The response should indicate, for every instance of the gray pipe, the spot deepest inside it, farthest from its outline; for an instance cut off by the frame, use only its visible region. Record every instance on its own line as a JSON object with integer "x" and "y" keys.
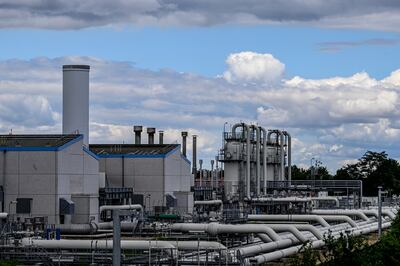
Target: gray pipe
{"x": 248, "y": 169}
{"x": 280, "y": 136}
{"x": 337, "y": 218}
{"x": 265, "y": 150}
{"x": 210, "y": 202}
{"x": 289, "y": 217}
{"x": 138, "y": 133}
{"x": 89, "y": 228}
{"x": 357, "y": 213}
{"x": 289, "y": 154}
{"x": 282, "y": 158}
{"x": 376, "y": 214}
{"x": 150, "y": 133}
{"x": 194, "y": 155}
{"x": 258, "y": 164}
{"x": 161, "y": 137}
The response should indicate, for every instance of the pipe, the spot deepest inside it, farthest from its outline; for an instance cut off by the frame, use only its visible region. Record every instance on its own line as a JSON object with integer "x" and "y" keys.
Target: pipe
{"x": 3, "y": 215}
{"x": 215, "y": 229}
{"x": 357, "y": 213}
{"x": 138, "y": 133}
{"x": 265, "y": 150}
{"x": 150, "y": 133}
{"x": 283, "y": 199}
{"x": 336, "y": 218}
{"x": 258, "y": 165}
{"x": 184, "y": 135}
{"x": 278, "y": 134}
{"x": 210, "y": 202}
{"x": 160, "y": 137}
{"x": 125, "y": 226}
{"x": 289, "y": 217}
{"x": 248, "y": 169}
{"x": 375, "y": 213}
{"x": 116, "y": 238}
{"x": 282, "y": 158}
{"x": 194, "y": 160}
{"x": 289, "y": 154}
{"x": 89, "y": 228}
{"x": 267, "y": 257}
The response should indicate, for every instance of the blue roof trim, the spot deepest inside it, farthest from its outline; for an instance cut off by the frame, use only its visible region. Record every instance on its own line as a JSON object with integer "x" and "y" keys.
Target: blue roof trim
{"x": 90, "y": 153}
{"x": 40, "y": 148}
{"x": 186, "y": 159}
{"x": 131, "y": 155}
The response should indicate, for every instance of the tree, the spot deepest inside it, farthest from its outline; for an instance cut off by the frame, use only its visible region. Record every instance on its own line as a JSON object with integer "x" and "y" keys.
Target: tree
{"x": 374, "y": 169}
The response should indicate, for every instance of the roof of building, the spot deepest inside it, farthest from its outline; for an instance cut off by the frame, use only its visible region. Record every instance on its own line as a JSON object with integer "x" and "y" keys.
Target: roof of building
{"x": 139, "y": 150}
{"x": 36, "y": 141}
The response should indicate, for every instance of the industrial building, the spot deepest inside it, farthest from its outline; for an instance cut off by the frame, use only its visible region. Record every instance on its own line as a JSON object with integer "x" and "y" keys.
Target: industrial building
{"x": 64, "y": 198}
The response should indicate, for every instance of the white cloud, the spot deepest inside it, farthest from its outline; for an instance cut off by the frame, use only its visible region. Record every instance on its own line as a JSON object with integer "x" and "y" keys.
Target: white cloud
{"x": 332, "y": 119}
{"x": 253, "y": 67}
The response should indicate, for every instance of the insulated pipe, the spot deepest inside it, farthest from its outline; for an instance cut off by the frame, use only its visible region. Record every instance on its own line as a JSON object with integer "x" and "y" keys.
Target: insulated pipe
{"x": 138, "y": 134}
{"x": 125, "y": 226}
{"x": 265, "y": 150}
{"x": 282, "y": 158}
{"x": 283, "y": 199}
{"x": 388, "y": 213}
{"x": 263, "y": 258}
{"x": 357, "y": 213}
{"x": 215, "y": 229}
{"x": 194, "y": 160}
{"x": 337, "y": 218}
{"x": 248, "y": 169}
{"x": 210, "y": 202}
{"x": 286, "y": 242}
{"x": 3, "y": 215}
{"x": 289, "y": 154}
{"x": 258, "y": 164}
{"x": 90, "y": 228}
{"x": 290, "y": 217}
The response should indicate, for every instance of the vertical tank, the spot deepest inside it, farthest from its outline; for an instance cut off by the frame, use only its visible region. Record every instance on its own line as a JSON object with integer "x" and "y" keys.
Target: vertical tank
{"x": 76, "y": 100}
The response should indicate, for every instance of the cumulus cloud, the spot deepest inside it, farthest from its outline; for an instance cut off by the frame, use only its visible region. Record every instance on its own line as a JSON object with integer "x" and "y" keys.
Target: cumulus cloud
{"x": 75, "y": 14}
{"x": 253, "y": 67}
{"x": 334, "y": 119}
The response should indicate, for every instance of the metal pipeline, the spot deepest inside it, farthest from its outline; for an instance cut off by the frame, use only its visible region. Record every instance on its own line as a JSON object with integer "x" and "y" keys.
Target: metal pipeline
{"x": 279, "y": 136}
{"x": 3, "y": 215}
{"x": 125, "y": 226}
{"x": 357, "y": 213}
{"x": 289, "y": 217}
{"x": 89, "y": 228}
{"x": 215, "y": 229}
{"x": 388, "y": 213}
{"x": 248, "y": 169}
{"x": 258, "y": 163}
{"x": 289, "y": 154}
{"x": 327, "y": 198}
{"x": 121, "y": 207}
{"x": 283, "y": 199}
{"x": 265, "y": 151}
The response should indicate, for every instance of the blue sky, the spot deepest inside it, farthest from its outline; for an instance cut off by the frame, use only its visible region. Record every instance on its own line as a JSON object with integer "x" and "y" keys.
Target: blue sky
{"x": 328, "y": 72}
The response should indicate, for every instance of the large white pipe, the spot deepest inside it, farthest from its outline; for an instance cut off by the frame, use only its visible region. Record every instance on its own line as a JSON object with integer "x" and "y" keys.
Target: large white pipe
{"x": 388, "y": 213}
{"x": 288, "y": 217}
{"x": 215, "y": 229}
{"x": 265, "y": 169}
{"x": 289, "y": 154}
{"x": 260, "y": 259}
{"x": 357, "y": 213}
{"x": 125, "y": 226}
{"x": 89, "y": 228}
{"x": 210, "y": 202}
{"x": 248, "y": 169}
{"x": 76, "y": 100}
{"x": 338, "y": 218}
{"x": 283, "y": 199}
{"x": 3, "y": 215}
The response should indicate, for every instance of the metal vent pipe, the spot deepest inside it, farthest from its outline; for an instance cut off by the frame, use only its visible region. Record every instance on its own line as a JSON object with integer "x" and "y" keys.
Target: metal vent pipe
{"x": 138, "y": 134}
{"x": 184, "y": 136}
{"x": 76, "y": 100}
{"x": 194, "y": 162}
{"x": 150, "y": 132}
{"x": 161, "y": 137}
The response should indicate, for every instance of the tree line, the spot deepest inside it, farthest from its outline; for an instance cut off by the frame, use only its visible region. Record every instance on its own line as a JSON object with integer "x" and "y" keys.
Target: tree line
{"x": 373, "y": 168}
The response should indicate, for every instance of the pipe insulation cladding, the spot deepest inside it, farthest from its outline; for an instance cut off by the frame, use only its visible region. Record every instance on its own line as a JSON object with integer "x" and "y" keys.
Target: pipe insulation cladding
{"x": 76, "y": 100}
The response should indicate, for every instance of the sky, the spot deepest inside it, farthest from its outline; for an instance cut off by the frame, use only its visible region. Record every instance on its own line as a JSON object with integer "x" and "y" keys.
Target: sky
{"x": 326, "y": 71}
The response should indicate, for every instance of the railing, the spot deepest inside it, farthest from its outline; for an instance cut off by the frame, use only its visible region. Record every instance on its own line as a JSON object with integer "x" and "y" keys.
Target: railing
{"x": 300, "y": 184}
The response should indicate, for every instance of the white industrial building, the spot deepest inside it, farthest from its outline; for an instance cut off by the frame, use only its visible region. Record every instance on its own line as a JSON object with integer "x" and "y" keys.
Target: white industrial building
{"x": 40, "y": 173}
{"x": 154, "y": 171}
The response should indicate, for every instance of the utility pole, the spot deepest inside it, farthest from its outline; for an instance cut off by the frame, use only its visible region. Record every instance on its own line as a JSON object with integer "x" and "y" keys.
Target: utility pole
{"x": 379, "y": 211}
{"x": 116, "y": 238}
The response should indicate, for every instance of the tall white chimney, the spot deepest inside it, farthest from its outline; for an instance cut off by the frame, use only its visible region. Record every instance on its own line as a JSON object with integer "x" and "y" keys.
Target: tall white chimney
{"x": 76, "y": 100}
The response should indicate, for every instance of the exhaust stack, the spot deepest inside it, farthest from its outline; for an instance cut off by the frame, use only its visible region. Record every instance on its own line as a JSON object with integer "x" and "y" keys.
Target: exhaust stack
{"x": 138, "y": 134}
{"x": 76, "y": 100}
{"x": 161, "y": 137}
{"x": 150, "y": 132}
{"x": 184, "y": 135}
{"x": 194, "y": 162}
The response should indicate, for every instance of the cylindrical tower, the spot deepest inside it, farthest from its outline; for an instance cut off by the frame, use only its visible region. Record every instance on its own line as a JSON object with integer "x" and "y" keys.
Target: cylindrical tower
{"x": 161, "y": 137}
{"x": 184, "y": 136}
{"x": 138, "y": 134}
{"x": 76, "y": 100}
{"x": 150, "y": 133}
